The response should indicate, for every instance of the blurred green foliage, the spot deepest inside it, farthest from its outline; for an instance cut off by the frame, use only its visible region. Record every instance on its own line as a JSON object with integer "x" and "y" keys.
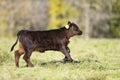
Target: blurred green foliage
{"x": 60, "y": 12}
{"x": 115, "y": 22}
{"x": 96, "y": 18}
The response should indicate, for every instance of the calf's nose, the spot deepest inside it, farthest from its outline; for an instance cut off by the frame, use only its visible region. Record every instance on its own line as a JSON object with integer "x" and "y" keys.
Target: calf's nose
{"x": 80, "y": 33}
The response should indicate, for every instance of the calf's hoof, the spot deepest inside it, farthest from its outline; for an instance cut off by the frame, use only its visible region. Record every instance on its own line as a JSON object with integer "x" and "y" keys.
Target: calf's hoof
{"x": 73, "y": 62}
{"x": 30, "y": 65}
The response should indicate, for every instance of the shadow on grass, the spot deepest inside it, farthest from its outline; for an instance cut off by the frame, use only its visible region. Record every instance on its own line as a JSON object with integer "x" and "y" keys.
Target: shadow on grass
{"x": 57, "y": 63}
{"x": 52, "y": 63}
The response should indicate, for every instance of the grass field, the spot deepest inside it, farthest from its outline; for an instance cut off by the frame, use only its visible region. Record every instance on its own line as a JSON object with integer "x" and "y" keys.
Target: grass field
{"x": 98, "y": 59}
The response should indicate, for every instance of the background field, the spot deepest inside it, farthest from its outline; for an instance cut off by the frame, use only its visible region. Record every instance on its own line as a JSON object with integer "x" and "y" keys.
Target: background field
{"x": 98, "y": 59}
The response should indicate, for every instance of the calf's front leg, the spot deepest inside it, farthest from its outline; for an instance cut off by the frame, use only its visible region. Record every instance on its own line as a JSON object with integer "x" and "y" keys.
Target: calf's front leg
{"x": 66, "y": 51}
{"x": 65, "y": 59}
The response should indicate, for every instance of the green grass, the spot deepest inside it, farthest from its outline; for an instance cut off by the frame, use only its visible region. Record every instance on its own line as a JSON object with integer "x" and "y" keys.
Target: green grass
{"x": 99, "y": 59}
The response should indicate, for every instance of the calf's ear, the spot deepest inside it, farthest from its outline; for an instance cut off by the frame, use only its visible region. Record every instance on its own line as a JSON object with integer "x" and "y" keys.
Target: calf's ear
{"x": 69, "y": 22}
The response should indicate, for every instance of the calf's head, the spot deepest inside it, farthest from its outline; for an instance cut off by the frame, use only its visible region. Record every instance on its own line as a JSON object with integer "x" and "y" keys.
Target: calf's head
{"x": 73, "y": 29}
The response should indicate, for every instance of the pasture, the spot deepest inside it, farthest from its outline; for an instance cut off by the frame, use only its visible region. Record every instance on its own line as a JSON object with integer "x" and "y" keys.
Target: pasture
{"x": 98, "y": 59}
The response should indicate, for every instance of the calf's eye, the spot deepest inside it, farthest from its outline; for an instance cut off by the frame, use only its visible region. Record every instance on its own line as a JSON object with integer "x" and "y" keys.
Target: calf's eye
{"x": 76, "y": 28}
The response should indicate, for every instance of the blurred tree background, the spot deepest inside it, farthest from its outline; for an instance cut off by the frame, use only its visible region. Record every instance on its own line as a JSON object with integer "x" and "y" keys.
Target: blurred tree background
{"x": 96, "y": 18}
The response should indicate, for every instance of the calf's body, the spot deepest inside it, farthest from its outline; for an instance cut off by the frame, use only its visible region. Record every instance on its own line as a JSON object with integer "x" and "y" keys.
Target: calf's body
{"x": 41, "y": 41}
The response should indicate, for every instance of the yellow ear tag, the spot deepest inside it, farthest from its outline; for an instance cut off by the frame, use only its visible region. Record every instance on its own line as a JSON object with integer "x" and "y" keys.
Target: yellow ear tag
{"x": 67, "y": 26}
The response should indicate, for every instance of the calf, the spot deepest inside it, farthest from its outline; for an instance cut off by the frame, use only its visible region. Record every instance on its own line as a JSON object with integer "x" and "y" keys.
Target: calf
{"x": 42, "y": 41}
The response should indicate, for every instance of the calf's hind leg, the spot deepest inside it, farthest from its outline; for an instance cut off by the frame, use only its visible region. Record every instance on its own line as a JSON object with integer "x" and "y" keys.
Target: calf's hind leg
{"x": 26, "y": 57}
{"x": 18, "y": 53}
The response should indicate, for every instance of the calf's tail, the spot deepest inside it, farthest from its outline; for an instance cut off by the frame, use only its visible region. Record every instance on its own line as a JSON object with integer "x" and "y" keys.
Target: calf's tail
{"x": 18, "y": 34}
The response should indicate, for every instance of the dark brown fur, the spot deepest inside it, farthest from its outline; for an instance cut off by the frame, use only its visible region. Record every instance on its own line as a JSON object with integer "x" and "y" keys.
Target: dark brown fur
{"x": 41, "y": 41}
